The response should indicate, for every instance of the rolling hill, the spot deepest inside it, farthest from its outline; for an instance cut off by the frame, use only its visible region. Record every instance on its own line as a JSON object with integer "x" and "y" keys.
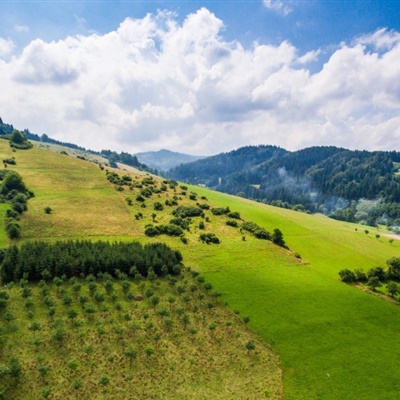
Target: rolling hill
{"x": 334, "y": 341}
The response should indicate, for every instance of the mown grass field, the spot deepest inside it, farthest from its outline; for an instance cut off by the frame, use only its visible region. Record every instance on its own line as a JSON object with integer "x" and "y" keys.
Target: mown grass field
{"x": 335, "y": 341}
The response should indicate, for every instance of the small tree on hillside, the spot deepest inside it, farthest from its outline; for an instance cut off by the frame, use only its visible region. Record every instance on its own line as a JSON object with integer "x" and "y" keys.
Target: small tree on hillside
{"x": 277, "y": 238}
{"x": 392, "y": 288}
{"x": 373, "y": 283}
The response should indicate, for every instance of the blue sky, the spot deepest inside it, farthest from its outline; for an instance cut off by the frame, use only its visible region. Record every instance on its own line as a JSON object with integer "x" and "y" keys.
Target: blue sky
{"x": 203, "y": 76}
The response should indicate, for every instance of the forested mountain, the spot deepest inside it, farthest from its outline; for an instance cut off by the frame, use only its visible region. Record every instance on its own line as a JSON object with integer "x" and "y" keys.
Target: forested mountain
{"x": 332, "y": 180}
{"x": 209, "y": 171}
{"x": 163, "y": 160}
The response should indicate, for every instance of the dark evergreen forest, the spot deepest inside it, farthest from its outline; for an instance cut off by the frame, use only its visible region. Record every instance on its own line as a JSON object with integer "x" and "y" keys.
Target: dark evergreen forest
{"x": 38, "y": 260}
{"x": 331, "y": 180}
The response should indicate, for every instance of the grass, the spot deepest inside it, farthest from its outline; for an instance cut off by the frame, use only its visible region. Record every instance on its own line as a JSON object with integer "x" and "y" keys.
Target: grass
{"x": 83, "y": 202}
{"x": 127, "y": 349}
{"x": 334, "y": 341}
{"x": 330, "y": 335}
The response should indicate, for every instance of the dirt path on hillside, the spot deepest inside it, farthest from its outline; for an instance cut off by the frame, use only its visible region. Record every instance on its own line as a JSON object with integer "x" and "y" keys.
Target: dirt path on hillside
{"x": 392, "y": 236}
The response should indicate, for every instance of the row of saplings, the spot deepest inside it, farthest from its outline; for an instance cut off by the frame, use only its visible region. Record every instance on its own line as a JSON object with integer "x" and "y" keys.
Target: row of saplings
{"x": 376, "y": 277}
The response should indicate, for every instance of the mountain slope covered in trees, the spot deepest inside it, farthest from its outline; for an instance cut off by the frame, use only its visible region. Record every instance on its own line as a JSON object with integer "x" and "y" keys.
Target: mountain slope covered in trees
{"x": 346, "y": 184}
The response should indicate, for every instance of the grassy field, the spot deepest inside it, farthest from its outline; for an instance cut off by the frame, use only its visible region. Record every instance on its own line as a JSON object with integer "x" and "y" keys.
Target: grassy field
{"x": 176, "y": 348}
{"x": 83, "y": 202}
{"x": 335, "y": 341}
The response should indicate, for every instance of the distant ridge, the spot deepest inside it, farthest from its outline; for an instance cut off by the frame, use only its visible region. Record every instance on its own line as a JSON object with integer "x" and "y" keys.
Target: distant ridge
{"x": 163, "y": 160}
{"x": 350, "y": 185}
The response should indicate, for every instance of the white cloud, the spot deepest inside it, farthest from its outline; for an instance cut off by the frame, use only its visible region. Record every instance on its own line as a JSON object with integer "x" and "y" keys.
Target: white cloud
{"x": 21, "y": 28}
{"x": 153, "y": 83}
{"x": 6, "y": 47}
{"x": 279, "y": 6}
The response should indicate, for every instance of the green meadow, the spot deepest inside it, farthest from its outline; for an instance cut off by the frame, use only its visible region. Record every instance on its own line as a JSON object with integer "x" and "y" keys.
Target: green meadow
{"x": 334, "y": 341}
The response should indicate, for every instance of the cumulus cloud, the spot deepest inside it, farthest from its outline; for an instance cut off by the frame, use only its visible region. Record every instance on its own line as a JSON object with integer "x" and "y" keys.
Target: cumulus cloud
{"x": 6, "y": 47}
{"x": 278, "y": 6}
{"x": 154, "y": 83}
{"x": 42, "y": 62}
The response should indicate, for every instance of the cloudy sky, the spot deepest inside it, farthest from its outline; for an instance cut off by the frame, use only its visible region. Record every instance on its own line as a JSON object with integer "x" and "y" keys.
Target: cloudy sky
{"x": 202, "y": 77}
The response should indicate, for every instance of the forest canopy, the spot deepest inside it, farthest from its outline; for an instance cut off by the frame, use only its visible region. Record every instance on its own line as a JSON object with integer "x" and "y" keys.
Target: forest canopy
{"x": 38, "y": 260}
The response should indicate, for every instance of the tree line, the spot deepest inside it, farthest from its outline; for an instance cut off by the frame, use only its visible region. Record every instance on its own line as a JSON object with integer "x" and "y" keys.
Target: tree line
{"x": 39, "y": 260}
{"x": 376, "y": 276}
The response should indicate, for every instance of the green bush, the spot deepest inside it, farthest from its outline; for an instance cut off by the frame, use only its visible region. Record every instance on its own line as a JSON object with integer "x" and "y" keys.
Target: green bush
{"x": 232, "y": 223}
{"x": 13, "y": 230}
{"x": 209, "y": 238}
{"x": 220, "y": 211}
{"x": 187, "y": 211}
{"x": 234, "y": 215}
{"x": 158, "y": 206}
{"x": 262, "y": 234}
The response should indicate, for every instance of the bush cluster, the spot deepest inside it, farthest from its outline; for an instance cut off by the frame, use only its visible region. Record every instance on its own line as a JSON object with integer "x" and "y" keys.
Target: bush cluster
{"x": 188, "y": 211}
{"x": 376, "y": 276}
{"x": 209, "y": 238}
{"x": 220, "y": 211}
{"x": 168, "y": 229}
{"x": 13, "y": 191}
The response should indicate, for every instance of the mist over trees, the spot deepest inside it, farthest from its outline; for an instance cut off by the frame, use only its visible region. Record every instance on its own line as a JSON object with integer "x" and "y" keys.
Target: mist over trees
{"x": 332, "y": 180}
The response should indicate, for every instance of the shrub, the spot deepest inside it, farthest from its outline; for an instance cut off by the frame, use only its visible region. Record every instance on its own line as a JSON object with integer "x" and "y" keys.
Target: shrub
{"x": 187, "y": 211}
{"x": 13, "y": 230}
{"x": 151, "y": 231}
{"x": 10, "y": 161}
{"x": 232, "y": 223}
{"x": 262, "y": 234}
{"x": 220, "y": 211}
{"x": 277, "y": 238}
{"x": 360, "y": 275}
{"x": 169, "y": 229}
{"x": 158, "y": 206}
{"x": 346, "y": 275}
{"x": 209, "y": 238}
{"x": 377, "y": 272}
{"x": 183, "y": 223}
{"x": 234, "y": 215}
{"x": 250, "y": 226}
{"x": 18, "y": 207}
{"x": 146, "y": 192}
{"x": 48, "y": 210}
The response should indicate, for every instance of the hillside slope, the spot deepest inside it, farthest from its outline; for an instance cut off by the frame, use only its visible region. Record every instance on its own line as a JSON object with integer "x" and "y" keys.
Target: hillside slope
{"x": 85, "y": 350}
{"x": 329, "y": 335}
